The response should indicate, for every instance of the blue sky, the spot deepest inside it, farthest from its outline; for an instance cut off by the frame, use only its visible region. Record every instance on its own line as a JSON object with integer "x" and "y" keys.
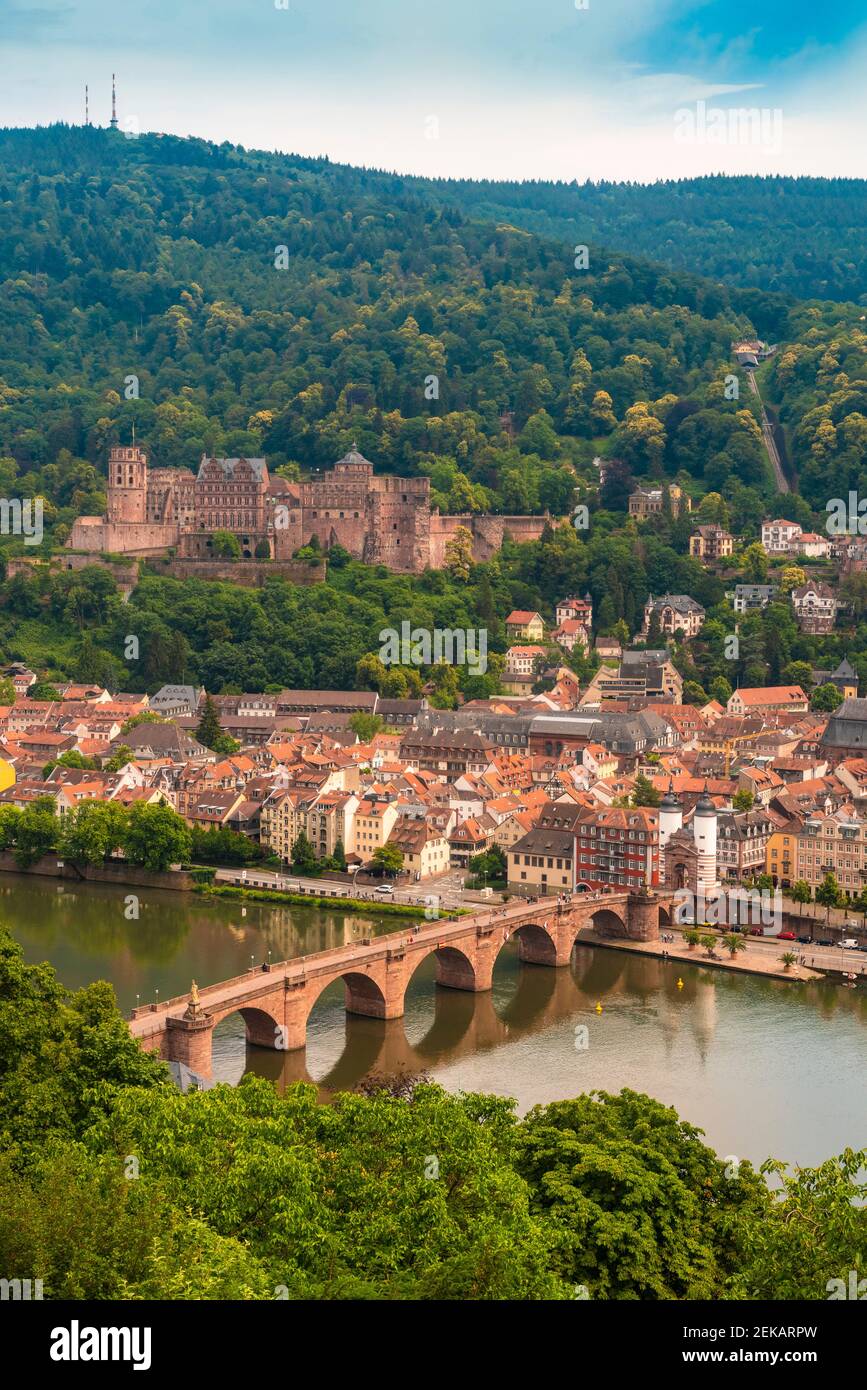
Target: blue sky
{"x": 487, "y": 88}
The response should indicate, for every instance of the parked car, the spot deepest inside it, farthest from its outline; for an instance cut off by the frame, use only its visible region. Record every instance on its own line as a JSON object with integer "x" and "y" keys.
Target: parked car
{"x": 805, "y": 940}
{"x": 756, "y": 931}
{"x": 384, "y": 888}
{"x": 824, "y": 942}
{"x": 849, "y": 943}
{"x": 786, "y": 936}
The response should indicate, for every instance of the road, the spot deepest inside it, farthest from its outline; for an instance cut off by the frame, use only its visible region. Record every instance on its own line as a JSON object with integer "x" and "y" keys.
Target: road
{"x": 448, "y": 888}
{"x": 770, "y": 443}
{"x": 823, "y": 957}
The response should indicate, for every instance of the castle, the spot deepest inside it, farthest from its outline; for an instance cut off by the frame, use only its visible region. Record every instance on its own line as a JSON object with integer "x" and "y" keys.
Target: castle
{"x": 379, "y": 519}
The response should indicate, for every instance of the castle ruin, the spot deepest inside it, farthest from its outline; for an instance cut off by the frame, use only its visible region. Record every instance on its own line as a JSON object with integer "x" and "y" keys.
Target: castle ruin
{"x": 377, "y": 518}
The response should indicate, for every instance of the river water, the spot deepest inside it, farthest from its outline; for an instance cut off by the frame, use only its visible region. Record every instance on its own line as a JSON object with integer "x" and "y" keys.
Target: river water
{"x": 765, "y": 1068}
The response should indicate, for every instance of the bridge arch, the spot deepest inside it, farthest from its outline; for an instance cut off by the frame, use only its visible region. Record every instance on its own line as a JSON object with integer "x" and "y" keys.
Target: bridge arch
{"x": 455, "y": 970}
{"x": 439, "y": 1001}
{"x": 361, "y": 994}
{"x": 607, "y": 921}
{"x": 536, "y": 945}
{"x": 261, "y": 1027}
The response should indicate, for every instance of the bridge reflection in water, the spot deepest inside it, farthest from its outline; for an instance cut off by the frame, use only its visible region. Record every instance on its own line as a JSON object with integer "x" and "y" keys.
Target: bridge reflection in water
{"x": 442, "y": 1026}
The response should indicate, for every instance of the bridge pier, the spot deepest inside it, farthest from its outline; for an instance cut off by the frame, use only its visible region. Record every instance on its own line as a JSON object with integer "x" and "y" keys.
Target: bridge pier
{"x": 188, "y": 1040}
{"x": 642, "y": 917}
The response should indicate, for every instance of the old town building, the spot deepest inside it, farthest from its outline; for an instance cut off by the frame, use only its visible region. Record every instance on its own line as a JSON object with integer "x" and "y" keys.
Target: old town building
{"x": 645, "y": 502}
{"x": 815, "y": 607}
{"x": 711, "y": 543}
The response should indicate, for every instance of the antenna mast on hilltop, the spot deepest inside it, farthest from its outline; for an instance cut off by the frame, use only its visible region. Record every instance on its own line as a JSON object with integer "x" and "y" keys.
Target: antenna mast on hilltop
{"x": 86, "y": 105}
{"x": 113, "y": 122}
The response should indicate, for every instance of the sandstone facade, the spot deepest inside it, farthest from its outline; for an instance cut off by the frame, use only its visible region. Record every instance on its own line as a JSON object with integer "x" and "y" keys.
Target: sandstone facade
{"x": 379, "y": 519}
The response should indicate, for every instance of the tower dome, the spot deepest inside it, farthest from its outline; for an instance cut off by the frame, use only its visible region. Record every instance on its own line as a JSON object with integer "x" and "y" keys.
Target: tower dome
{"x": 705, "y": 806}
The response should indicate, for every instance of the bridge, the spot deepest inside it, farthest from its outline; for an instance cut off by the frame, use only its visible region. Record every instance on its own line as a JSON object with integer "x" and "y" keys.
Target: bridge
{"x": 275, "y": 1001}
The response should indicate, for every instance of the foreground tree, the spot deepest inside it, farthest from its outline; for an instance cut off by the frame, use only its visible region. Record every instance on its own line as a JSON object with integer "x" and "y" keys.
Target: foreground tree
{"x": 733, "y": 942}
{"x": 93, "y": 830}
{"x": 640, "y": 1207}
{"x": 388, "y": 859}
{"x": 156, "y": 837}
{"x": 37, "y": 831}
{"x": 812, "y": 1237}
{"x": 801, "y": 893}
{"x": 303, "y": 857}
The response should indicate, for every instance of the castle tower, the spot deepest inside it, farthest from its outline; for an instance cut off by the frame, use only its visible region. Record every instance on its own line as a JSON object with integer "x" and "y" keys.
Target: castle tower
{"x": 670, "y": 819}
{"x": 704, "y": 829}
{"x": 113, "y": 121}
{"x": 127, "y": 484}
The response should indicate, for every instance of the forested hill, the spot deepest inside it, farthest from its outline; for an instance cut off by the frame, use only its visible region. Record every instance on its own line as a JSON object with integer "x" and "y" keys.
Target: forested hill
{"x": 474, "y": 351}
{"x": 801, "y": 236}
{"x": 805, "y": 237}
{"x": 477, "y": 353}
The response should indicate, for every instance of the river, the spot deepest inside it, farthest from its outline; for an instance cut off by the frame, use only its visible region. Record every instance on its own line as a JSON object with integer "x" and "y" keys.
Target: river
{"x": 765, "y": 1068}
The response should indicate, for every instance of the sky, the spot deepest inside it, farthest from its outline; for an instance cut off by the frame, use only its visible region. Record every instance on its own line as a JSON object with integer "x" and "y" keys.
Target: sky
{"x": 568, "y": 89}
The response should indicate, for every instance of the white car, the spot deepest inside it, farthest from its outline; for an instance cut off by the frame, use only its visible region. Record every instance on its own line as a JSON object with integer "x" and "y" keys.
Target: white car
{"x": 384, "y": 888}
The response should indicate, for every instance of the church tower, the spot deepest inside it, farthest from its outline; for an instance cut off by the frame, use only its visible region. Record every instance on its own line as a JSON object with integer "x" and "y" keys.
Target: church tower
{"x": 127, "y": 484}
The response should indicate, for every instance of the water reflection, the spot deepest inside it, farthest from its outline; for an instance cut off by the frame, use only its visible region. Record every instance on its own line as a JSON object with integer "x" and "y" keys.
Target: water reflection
{"x": 763, "y": 1067}
{"x": 751, "y": 1061}
{"x": 148, "y": 941}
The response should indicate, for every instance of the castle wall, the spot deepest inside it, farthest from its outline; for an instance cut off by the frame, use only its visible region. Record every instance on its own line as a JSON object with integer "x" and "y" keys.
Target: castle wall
{"x": 487, "y": 533}
{"x": 248, "y": 573}
{"x": 123, "y": 572}
{"x": 399, "y": 524}
{"x": 93, "y": 533}
{"x": 522, "y": 529}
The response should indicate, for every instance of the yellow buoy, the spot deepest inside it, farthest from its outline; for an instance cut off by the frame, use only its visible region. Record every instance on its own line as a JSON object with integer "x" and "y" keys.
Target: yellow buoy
{"x": 679, "y": 982}
{"x": 599, "y": 1008}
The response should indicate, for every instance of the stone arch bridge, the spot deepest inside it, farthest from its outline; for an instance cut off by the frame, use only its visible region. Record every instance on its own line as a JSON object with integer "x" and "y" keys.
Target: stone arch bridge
{"x": 275, "y": 1001}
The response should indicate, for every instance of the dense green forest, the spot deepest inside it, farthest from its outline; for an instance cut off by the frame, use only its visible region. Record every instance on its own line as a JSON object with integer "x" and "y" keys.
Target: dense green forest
{"x": 115, "y": 1185}
{"x": 154, "y": 259}
{"x": 804, "y": 237}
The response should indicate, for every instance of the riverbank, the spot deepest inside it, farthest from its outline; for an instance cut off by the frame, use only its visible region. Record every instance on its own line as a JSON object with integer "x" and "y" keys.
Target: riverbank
{"x": 115, "y": 871}
{"x": 678, "y": 951}
{"x": 270, "y": 895}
